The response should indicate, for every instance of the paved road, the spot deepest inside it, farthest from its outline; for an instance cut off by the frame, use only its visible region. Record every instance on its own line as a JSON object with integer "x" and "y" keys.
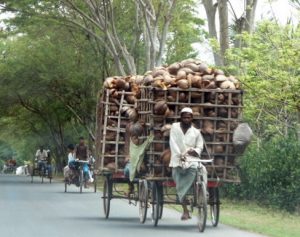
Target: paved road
{"x": 44, "y": 210}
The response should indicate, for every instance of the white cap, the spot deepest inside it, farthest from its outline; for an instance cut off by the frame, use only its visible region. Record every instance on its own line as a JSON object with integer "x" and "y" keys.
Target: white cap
{"x": 186, "y": 110}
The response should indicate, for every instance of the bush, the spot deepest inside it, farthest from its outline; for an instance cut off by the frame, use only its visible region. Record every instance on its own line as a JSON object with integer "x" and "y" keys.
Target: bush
{"x": 270, "y": 175}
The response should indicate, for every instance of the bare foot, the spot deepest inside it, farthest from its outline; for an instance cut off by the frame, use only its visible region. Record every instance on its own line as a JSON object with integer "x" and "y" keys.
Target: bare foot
{"x": 185, "y": 216}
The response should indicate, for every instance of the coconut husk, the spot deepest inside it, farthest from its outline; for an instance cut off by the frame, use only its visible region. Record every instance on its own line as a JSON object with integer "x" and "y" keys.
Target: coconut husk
{"x": 227, "y": 85}
{"x": 182, "y": 97}
{"x": 173, "y": 68}
{"x": 183, "y": 84}
{"x": 181, "y": 74}
{"x": 109, "y": 83}
{"x": 160, "y": 107}
{"x": 208, "y": 127}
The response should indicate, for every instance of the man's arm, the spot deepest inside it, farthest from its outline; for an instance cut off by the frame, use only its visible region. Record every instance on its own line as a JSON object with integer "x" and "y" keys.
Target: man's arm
{"x": 199, "y": 144}
{"x": 174, "y": 143}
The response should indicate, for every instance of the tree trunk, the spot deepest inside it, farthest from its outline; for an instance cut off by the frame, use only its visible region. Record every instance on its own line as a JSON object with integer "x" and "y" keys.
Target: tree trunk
{"x": 211, "y": 9}
{"x": 224, "y": 35}
{"x": 250, "y": 15}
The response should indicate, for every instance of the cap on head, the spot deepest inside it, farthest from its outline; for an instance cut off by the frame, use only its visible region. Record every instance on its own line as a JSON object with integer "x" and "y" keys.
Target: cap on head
{"x": 186, "y": 110}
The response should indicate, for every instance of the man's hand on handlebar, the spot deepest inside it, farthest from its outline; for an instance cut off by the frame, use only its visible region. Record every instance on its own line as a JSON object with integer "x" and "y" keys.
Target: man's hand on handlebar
{"x": 192, "y": 152}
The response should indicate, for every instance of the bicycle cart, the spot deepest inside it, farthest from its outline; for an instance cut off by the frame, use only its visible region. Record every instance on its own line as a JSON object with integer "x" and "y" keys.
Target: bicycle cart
{"x": 41, "y": 169}
{"x": 217, "y": 111}
{"x": 78, "y": 178}
{"x": 160, "y": 191}
{"x": 218, "y": 155}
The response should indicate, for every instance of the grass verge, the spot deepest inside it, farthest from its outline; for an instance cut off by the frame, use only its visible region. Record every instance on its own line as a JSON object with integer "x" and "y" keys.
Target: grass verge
{"x": 266, "y": 221}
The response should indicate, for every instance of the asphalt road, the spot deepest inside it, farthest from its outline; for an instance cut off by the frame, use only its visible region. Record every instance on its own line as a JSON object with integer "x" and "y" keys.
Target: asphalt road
{"x": 44, "y": 210}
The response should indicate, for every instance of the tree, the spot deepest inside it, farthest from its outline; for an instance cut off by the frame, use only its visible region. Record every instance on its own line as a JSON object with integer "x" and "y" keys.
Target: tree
{"x": 268, "y": 66}
{"x": 243, "y": 23}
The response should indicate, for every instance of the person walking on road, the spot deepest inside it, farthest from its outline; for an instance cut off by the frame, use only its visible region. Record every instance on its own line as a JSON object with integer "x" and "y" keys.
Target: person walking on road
{"x": 185, "y": 142}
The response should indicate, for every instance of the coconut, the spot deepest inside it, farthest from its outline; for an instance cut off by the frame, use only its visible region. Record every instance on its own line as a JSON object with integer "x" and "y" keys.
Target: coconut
{"x": 221, "y": 78}
{"x": 227, "y": 85}
{"x": 173, "y": 68}
{"x": 183, "y": 84}
{"x": 148, "y": 79}
{"x": 111, "y": 166}
{"x": 132, "y": 114}
{"x": 181, "y": 75}
{"x": 208, "y": 127}
{"x": 160, "y": 107}
{"x": 203, "y": 68}
{"x": 182, "y": 97}
{"x": 120, "y": 84}
{"x": 109, "y": 83}
{"x": 131, "y": 99}
{"x": 192, "y": 66}
{"x": 218, "y": 149}
{"x": 222, "y": 112}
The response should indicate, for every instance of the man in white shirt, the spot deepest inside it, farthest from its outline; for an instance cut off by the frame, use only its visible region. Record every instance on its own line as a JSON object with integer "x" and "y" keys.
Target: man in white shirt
{"x": 41, "y": 157}
{"x": 185, "y": 142}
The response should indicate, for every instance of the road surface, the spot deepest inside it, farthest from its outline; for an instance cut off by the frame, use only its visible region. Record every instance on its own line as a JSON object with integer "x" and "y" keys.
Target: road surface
{"x": 44, "y": 210}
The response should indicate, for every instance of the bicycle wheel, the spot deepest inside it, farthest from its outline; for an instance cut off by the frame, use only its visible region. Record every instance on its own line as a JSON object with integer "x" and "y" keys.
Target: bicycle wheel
{"x": 66, "y": 185}
{"x": 80, "y": 180}
{"x": 214, "y": 203}
{"x": 107, "y": 192}
{"x": 143, "y": 200}
{"x": 161, "y": 201}
{"x": 201, "y": 202}
{"x": 155, "y": 203}
{"x": 95, "y": 183}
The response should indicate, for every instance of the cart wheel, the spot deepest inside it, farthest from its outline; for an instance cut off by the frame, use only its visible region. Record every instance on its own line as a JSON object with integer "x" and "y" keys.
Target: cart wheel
{"x": 156, "y": 210}
{"x": 143, "y": 200}
{"x": 107, "y": 192}
{"x": 66, "y": 185}
{"x": 201, "y": 202}
{"x": 81, "y": 180}
{"x": 95, "y": 183}
{"x": 214, "y": 205}
{"x": 161, "y": 201}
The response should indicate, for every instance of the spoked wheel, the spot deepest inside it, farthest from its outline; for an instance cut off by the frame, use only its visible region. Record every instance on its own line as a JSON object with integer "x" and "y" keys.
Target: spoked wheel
{"x": 156, "y": 203}
{"x": 80, "y": 180}
{"x": 107, "y": 193}
{"x": 143, "y": 200}
{"x": 214, "y": 202}
{"x": 161, "y": 201}
{"x": 66, "y": 186}
{"x": 201, "y": 201}
{"x": 95, "y": 183}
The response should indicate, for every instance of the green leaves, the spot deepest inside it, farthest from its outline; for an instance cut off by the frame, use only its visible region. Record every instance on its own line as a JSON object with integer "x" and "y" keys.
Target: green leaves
{"x": 269, "y": 68}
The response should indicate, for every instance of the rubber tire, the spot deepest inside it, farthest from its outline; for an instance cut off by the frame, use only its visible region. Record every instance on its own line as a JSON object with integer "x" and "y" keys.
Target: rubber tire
{"x": 143, "y": 200}
{"x": 201, "y": 201}
{"x": 161, "y": 201}
{"x": 80, "y": 180}
{"x": 107, "y": 192}
{"x": 66, "y": 185}
{"x": 155, "y": 201}
{"x": 95, "y": 183}
{"x": 214, "y": 206}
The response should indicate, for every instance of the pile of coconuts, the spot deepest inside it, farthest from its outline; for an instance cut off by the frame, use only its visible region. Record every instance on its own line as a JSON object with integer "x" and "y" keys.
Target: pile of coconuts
{"x": 199, "y": 85}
